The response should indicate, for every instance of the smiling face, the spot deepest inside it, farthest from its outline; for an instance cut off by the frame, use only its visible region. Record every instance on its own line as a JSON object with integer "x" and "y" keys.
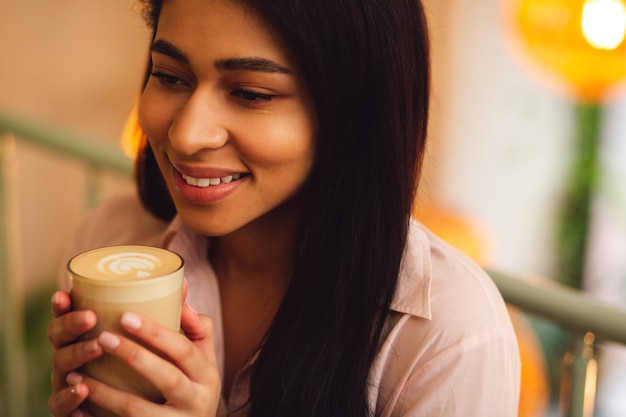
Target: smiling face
{"x": 227, "y": 115}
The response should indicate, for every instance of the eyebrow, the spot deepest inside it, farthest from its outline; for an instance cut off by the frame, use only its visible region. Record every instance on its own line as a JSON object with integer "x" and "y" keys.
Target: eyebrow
{"x": 164, "y": 47}
{"x": 231, "y": 64}
{"x": 251, "y": 64}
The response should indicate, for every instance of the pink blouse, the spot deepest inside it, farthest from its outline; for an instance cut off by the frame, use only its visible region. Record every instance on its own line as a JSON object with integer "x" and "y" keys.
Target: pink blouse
{"x": 450, "y": 350}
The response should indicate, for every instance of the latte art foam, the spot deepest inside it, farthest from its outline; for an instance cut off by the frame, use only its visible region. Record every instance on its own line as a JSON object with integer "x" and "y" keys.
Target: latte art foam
{"x": 129, "y": 264}
{"x": 124, "y": 263}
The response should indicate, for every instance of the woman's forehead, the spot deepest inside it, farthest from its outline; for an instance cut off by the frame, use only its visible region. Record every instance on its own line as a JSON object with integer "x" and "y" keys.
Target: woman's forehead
{"x": 194, "y": 26}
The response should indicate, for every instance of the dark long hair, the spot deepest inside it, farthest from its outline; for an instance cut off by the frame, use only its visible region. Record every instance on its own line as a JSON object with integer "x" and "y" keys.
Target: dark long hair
{"x": 366, "y": 66}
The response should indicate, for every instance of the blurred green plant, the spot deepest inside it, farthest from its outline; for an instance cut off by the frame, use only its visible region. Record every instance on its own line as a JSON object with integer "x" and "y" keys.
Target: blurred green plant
{"x": 38, "y": 351}
{"x": 576, "y": 211}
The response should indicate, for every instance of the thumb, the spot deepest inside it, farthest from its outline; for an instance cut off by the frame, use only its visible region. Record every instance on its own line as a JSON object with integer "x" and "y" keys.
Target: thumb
{"x": 199, "y": 329}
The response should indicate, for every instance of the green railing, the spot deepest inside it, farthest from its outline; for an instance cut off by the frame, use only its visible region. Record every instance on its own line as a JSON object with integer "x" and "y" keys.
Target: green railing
{"x": 587, "y": 319}
{"x": 97, "y": 157}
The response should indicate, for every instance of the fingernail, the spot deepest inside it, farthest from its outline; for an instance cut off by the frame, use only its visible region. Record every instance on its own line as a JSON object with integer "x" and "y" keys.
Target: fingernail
{"x": 131, "y": 321}
{"x": 73, "y": 378}
{"x": 91, "y": 346}
{"x": 83, "y": 318}
{"x": 55, "y": 298}
{"x": 193, "y": 310}
{"x": 108, "y": 340}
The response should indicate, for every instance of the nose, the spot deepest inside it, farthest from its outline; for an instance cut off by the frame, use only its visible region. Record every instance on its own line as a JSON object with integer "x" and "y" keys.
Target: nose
{"x": 198, "y": 125}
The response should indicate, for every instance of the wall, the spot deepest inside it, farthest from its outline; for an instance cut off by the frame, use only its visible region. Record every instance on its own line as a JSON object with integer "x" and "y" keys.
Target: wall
{"x": 75, "y": 64}
{"x": 500, "y": 143}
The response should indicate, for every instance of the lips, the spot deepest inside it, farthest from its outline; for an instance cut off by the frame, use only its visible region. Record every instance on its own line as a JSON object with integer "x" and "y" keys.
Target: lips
{"x": 208, "y": 187}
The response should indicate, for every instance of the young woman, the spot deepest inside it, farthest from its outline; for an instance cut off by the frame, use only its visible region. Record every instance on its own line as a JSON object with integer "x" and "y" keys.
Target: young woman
{"x": 284, "y": 140}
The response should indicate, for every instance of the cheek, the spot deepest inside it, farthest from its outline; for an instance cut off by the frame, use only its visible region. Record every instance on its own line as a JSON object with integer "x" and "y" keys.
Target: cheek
{"x": 281, "y": 142}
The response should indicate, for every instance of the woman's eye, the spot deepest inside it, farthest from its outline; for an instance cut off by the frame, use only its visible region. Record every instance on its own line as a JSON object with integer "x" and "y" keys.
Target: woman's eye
{"x": 252, "y": 96}
{"x": 167, "y": 79}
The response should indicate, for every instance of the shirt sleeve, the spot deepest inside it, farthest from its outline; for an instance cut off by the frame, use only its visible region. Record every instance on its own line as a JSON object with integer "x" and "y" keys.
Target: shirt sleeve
{"x": 478, "y": 376}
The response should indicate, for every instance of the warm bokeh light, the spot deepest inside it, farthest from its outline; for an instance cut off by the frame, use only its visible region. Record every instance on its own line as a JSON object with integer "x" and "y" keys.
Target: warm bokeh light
{"x": 604, "y": 23}
{"x": 132, "y": 135}
{"x": 466, "y": 235}
{"x": 546, "y": 38}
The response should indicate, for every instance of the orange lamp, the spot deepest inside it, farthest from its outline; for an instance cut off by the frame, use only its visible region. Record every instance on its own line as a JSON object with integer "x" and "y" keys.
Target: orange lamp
{"x": 575, "y": 46}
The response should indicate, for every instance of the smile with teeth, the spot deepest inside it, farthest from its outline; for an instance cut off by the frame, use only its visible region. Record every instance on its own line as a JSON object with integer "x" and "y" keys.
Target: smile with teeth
{"x": 206, "y": 182}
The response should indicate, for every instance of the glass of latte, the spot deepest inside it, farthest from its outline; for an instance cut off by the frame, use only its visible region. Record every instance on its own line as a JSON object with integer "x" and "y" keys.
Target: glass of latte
{"x": 113, "y": 280}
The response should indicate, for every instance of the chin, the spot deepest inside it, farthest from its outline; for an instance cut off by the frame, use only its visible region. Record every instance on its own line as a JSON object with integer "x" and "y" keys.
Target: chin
{"x": 208, "y": 225}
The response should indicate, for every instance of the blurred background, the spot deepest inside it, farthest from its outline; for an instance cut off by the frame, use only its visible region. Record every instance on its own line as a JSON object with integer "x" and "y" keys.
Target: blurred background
{"x": 508, "y": 135}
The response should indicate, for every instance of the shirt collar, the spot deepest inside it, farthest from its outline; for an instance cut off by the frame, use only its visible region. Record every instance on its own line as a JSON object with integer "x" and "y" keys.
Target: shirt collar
{"x": 413, "y": 288}
{"x": 414, "y": 281}
{"x": 179, "y": 238}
